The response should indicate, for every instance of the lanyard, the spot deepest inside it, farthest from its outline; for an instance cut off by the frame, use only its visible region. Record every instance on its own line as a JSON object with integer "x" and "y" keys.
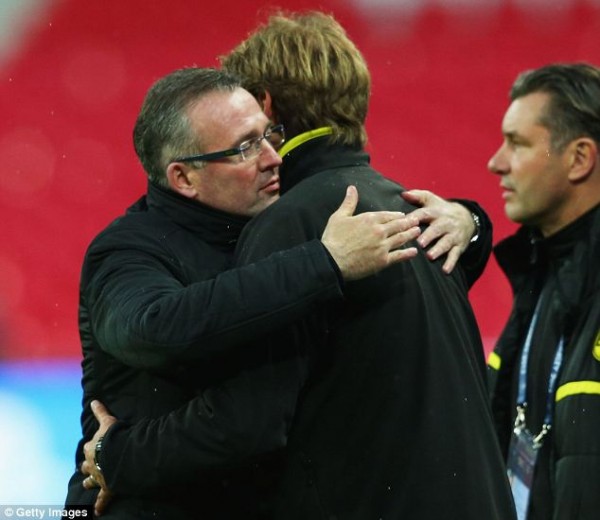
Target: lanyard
{"x": 522, "y": 391}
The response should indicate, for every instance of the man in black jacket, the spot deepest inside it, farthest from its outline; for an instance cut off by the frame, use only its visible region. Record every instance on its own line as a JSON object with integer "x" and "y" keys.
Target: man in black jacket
{"x": 163, "y": 316}
{"x": 545, "y": 369}
{"x": 394, "y": 421}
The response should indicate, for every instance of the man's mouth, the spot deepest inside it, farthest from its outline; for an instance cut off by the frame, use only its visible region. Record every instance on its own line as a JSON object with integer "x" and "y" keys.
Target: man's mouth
{"x": 506, "y": 191}
{"x": 272, "y": 186}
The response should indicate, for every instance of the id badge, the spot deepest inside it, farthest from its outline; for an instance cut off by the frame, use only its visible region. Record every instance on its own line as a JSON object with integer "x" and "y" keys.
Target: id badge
{"x": 522, "y": 456}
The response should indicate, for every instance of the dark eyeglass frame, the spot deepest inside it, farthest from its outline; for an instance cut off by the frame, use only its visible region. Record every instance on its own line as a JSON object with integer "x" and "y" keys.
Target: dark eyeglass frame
{"x": 239, "y": 150}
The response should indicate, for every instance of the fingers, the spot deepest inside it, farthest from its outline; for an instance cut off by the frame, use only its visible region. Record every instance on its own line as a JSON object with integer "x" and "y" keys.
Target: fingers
{"x": 360, "y": 244}
{"x": 451, "y": 260}
{"x": 349, "y": 203}
{"x": 396, "y": 222}
{"x": 95, "y": 479}
{"x": 104, "y": 418}
{"x": 102, "y": 501}
{"x": 447, "y": 243}
{"x": 400, "y": 231}
{"x": 90, "y": 482}
{"x": 391, "y": 221}
{"x": 86, "y": 467}
{"x": 429, "y": 235}
{"x": 444, "y": 234}
{"x": 424, "y": 215}
{"x": 396, "y": 227}
{"x": 418, "y": 197}
{"x": 400, "y": 255}
{"x": 401, "y": 237}
{"x": 89, "y": 449}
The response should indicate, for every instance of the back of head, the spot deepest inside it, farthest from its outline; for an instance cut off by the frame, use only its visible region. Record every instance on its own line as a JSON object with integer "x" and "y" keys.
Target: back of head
{"x": 574, "y": 109}
{"x": 162, "y": 130}
{"x": 314, "y": 73}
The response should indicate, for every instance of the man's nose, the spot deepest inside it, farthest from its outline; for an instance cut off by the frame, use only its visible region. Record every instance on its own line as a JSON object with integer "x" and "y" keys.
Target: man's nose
{"x": 269, "y": 157}
{"x": 497, "y": 163}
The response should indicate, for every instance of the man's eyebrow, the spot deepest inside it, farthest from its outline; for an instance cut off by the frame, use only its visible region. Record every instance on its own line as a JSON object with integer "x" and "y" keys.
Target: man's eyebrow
{"x": 251, "y": 134}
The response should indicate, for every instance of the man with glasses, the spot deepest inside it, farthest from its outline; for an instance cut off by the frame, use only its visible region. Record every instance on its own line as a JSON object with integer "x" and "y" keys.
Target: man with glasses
{"x": 163, "y": 316}
{"x": 162, "y": 319}
{"x": 392, "y": 418}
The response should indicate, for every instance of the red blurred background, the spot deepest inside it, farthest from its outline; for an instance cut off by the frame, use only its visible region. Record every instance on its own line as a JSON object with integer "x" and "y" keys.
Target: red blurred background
{"x": 73, "y": 75}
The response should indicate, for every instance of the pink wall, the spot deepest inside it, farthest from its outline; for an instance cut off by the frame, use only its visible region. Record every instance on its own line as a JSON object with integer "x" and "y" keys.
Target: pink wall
{"x": 69, "y": 97}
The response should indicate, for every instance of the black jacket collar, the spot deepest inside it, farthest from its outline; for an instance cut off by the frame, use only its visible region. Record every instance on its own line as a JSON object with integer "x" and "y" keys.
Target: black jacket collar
{"x": 315, "y": 156}
{"x": 527, "y": 253}
{"x": 215, "y": 226}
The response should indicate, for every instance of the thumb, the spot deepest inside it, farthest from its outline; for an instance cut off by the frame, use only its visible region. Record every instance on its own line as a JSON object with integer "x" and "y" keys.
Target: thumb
{"x": 99, "y": 410}
{"x": 416, "y": 197}
{"x": 349, "y": 203}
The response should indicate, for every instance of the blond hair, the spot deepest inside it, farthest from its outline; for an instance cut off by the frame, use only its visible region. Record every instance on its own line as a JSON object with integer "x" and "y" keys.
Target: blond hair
{"x": 314, "y": 73}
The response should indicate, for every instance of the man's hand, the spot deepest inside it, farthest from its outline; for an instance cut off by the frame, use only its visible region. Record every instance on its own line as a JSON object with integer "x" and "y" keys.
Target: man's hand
{"x": 96, "y": 478}
{"x": 450, "y": 229}
{"x": 369, "y": 242}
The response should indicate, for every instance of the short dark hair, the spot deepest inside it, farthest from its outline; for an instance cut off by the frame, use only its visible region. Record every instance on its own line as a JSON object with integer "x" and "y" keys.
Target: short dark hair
{"x": 162, "y": 130}
{"x": 574, "y": 107}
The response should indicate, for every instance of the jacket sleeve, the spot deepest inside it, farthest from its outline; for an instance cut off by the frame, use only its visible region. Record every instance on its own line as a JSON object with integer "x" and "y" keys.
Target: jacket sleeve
{"x": 145, "y": 317}
{"x": 223, "y": 428}
{"x": 228, "y": 425}
{"x": 475, "y": 258}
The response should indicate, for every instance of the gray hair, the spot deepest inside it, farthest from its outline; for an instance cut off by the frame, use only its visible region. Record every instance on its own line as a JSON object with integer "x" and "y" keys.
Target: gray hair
{"x": 162, "y": 130}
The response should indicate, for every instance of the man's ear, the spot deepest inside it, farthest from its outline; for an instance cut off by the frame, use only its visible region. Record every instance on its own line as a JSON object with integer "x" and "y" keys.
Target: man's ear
{"x": 584, "y": 158}
{"x": 266, "y": 104}
{"x": 178, "y": 177}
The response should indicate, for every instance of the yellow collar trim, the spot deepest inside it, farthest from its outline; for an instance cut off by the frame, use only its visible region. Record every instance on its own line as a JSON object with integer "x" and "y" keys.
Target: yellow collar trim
{"x": 302, "y": 138}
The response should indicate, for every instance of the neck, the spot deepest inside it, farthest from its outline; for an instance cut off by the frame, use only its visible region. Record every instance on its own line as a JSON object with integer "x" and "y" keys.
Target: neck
{"x": 574, "y": 210}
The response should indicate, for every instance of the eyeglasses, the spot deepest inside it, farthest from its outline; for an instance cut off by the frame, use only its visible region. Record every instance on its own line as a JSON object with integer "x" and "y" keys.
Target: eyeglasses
{"x": 274, "y": 135}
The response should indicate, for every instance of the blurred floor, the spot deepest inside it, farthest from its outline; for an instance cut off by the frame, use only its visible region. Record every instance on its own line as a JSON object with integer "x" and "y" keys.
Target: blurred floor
{"x": 40, "y": 404}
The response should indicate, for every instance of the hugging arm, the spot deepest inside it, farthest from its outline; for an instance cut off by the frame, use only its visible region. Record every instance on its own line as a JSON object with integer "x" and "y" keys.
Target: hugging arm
{"x": 458, "y": 228}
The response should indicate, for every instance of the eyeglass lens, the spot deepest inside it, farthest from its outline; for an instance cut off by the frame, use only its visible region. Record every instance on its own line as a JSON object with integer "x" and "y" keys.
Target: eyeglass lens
{"x": 274, "y": 136}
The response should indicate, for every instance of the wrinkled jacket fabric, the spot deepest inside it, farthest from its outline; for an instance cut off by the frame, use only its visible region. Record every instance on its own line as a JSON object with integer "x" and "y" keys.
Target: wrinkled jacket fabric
{"x": 161, "y": 320}
{"x": 567, "y": 480}
{"x": 394, "y": 422}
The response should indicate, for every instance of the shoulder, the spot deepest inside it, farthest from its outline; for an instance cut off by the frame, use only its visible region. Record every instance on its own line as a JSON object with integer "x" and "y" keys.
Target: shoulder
{"x": 134, "y": 233}
{"x": 133, "y": 227}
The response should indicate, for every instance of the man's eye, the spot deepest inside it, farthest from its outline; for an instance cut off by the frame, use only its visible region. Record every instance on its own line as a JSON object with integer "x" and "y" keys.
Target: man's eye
{"x": 245, "y": 145}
